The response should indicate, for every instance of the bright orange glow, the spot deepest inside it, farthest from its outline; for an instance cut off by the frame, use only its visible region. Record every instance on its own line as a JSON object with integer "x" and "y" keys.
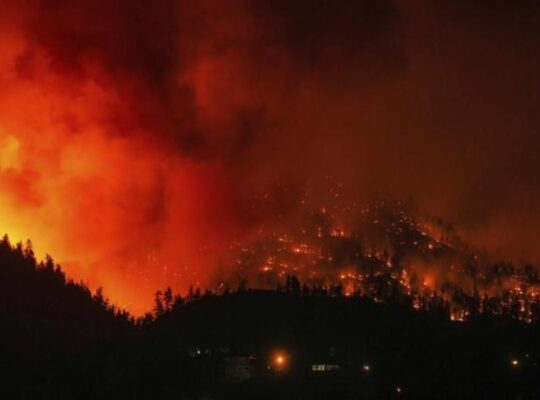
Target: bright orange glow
{"x": 134, "y": 153}
{"x": 92, "y": 167}
{"x": 112, "y": 207}
{"x": 279, "y": 361}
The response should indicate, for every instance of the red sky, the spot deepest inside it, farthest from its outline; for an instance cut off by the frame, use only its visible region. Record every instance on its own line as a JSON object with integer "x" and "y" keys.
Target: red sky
{"x": 134, "y": 137}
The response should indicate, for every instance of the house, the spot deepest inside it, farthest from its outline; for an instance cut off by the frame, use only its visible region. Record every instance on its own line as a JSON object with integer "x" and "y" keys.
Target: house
{"x": 327, "y": 360}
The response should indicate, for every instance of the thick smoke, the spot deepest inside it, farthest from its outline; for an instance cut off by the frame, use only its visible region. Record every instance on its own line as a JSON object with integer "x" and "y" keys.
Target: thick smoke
{"x": 137, "y": 138}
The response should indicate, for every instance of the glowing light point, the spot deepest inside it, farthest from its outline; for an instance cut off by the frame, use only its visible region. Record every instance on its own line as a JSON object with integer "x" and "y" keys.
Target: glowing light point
{"x": 279, "y": 361}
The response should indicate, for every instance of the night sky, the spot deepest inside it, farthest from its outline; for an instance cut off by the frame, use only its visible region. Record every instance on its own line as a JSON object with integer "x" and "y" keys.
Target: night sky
{"x": 136, "y": 136}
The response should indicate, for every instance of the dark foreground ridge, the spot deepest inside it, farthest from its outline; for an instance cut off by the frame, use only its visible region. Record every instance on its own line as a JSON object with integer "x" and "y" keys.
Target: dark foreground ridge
{"x": 60, "y": 341}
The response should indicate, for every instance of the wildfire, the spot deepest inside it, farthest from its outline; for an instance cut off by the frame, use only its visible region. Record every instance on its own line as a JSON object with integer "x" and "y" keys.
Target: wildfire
{"x": 338, "y": 263}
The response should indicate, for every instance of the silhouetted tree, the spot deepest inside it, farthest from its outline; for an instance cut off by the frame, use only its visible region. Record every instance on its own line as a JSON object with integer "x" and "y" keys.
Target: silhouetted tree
{"x": 295, "y": 285}
{"x": 100, "y": 298}
{"x": 178, "y": 302}
{"x": 159, "y": 309}
{"x": 242, "y": 287}
{"x": 145, "y": 321}
{"x": 167, "y": 299}
{"x": 288, "y": 284}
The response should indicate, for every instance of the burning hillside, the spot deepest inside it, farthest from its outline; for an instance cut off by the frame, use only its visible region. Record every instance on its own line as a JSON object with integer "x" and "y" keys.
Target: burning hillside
{"x": 386, "y": 251}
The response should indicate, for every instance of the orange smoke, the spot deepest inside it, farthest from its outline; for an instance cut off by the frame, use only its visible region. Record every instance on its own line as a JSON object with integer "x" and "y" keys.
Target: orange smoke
{"x": 126, "y": 148}
{"x": 115, "y": 210}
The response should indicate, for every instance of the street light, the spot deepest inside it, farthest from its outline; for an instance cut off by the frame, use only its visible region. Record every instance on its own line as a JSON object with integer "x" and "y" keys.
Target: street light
{"x": 279, "y": 361}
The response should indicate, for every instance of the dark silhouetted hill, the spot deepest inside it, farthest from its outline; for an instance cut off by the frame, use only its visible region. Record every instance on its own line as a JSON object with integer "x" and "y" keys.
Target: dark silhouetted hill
{"x": 52, "y": 329}
{"x": 425, "y": 355}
